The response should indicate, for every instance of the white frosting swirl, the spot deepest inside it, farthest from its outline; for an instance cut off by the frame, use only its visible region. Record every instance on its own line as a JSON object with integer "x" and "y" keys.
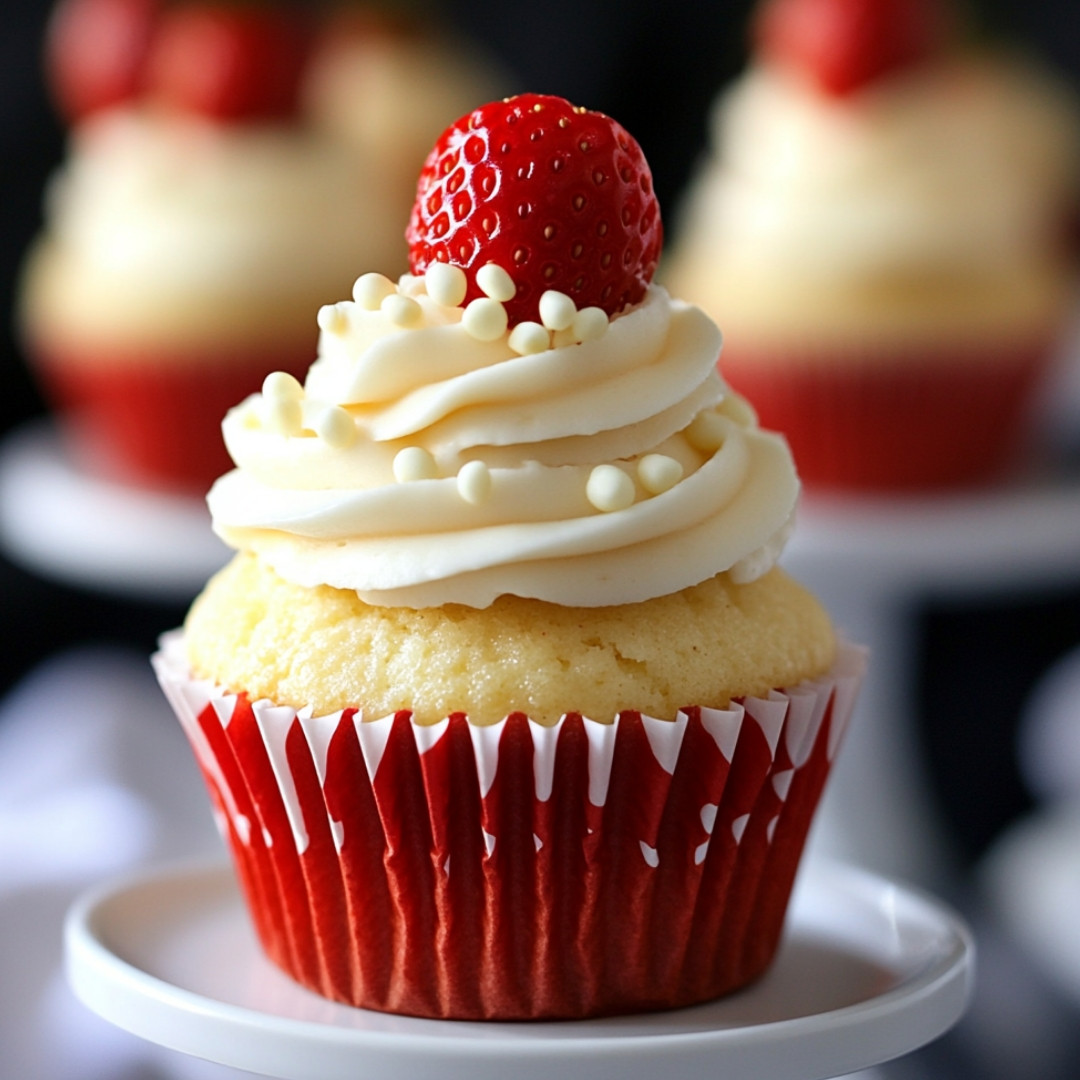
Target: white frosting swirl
{"x": 937, "y": 195}
{"x": 152, "y": 208}
{"x": 421, "y": 466}
{"x": 955, "y": 165}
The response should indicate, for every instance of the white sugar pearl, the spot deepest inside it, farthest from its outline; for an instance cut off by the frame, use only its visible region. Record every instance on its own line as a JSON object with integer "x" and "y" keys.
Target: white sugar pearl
{"x": 485, "y": 319}
{"x": 334, "y": 426}
{"x": 495, "y": 282}
{"x": 609, "y": 488}
{"x": 282, "y": 384}
{"x": 474, "y": 482}
{"x": 557, "y": 310}
{"x": 529, "y": 337}
{"x": 737, "y": 408}
{"x": 402, "y": 311}
{"x": 658, "y": 473}
{"x": 590, "y": 323}
{"x": 445, "y": 284}
{"x": 706, "y": 432}
{"x": 370, "y": 290}
{"x": 332, "y": 319}
{"x": 414, "y": 463}
{"x": 283, "y": 415}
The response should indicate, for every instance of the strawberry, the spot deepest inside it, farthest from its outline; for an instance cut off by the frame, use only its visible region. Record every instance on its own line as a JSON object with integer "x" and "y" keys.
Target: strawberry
{"x": 229, "y": 61}
{"x": 95, "y": 53}
{"x": 844, "y": 45}
{"x": 558, "y": 196}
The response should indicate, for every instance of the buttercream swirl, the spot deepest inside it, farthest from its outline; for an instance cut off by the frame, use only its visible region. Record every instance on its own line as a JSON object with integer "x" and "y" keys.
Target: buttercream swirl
{"x": 961, "y": 165}
{"x": 421, "y": 465}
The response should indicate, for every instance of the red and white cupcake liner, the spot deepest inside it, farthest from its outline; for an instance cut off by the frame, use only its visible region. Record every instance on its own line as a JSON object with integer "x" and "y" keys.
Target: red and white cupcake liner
{"x": 517, "y": 871}
{"x": 872, "y": 418}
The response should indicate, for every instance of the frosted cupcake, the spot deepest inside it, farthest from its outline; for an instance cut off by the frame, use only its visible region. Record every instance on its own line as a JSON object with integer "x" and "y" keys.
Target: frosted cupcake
{"x": 882, "y": 233}
{"x": 504, "y": 706}
{"x": 204, "y": 211}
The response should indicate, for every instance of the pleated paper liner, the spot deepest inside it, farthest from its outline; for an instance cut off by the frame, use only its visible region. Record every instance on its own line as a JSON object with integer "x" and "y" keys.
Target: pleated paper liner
{"x": 874, "y": 418}
{"x": 517, "y": 871}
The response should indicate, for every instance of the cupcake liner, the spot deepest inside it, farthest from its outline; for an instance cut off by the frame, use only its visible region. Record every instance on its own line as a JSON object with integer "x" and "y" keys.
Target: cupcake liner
{"x": 888, "y": 419}
{"x": 516, "y": 871}
{"x": 155, "y": 420}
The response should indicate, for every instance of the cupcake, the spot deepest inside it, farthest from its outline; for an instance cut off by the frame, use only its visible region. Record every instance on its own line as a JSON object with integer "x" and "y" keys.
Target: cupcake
{"x": 204, "y": 211}
{"x": 883, "y": 231}
{"x": 504, "y": 707}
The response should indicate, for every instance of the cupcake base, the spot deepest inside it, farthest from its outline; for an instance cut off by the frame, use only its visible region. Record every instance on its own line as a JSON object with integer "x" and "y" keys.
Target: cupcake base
{"x": 893, "y": 422}
{"x": 516, "y": 871}
{"x": 154, "y": 420}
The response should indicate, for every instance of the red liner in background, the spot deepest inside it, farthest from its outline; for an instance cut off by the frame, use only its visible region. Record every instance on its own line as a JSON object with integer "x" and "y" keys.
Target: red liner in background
{"x": 517, "y": 871}
{"x": 154, "y": 420}
{"x": 893, "y": 422}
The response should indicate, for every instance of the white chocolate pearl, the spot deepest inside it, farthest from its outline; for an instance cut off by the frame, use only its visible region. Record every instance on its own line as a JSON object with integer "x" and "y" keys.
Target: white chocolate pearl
{"x": 495, "y": 282}
{"x": 609, "y": 488}
{"x": 590, "y": 323}
{"x": 283, "y": 415}
{"x": 557, "y": 310}
{"x": 402, "y": 311}
{"x": 737, "y": 408}
{"x": 561, "y": 339}
{"x": 529, "y": 337}
{"x": 332, "y": 319}
{"x": 370, "y": 290}
{"x": 658, "y": 473}
{"x": 282, "y": 384}
{"x": 414, "y": 463}
{"x": 334, "y": 426}
{"x": 445, "y": 284}
{"x": 474, "y": 482}
{"x": 485, "y": 319}
{"x": 706, "y": 432}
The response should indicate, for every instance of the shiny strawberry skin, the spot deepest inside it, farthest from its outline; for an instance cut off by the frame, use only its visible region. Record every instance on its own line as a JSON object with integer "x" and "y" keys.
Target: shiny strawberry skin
{"x": 558, "y": 196}
{"x": 95, "y": 53}
{"x": 230, "y": 62}
{"x": 846, "y": 45}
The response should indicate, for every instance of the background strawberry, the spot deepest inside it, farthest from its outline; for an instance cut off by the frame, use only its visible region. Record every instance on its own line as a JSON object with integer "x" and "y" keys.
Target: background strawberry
{"x": 230, "y": 61}
{"x": 559, "y": 197}
{"x": 95, "y": 53}
{"x": 844, "y": 45}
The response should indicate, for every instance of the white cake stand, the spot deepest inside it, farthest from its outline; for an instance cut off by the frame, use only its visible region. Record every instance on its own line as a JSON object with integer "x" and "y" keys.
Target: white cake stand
{"x": 870, "y": 560}
{"x": 868, "y": 971}
{"x": 83, "y": 530}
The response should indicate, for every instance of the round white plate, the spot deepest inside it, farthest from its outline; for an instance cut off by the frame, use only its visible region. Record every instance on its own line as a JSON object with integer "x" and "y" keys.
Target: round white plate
{"x": 868, "y": 971}
{"x": 1032, "y": 875}
{"x": 87, "y": 531}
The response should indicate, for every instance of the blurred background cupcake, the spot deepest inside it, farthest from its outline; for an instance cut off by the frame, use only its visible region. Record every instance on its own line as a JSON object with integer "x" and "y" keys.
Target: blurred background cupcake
{"x": 884, "y": 232}
{"x": 204, "y": 208}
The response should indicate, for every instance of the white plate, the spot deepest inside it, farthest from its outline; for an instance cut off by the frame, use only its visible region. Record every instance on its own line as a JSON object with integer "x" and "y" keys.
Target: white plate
{"x": 1032, "y": 875}
{"x": 88, "y": 531}
{"x": 868, "y": 971}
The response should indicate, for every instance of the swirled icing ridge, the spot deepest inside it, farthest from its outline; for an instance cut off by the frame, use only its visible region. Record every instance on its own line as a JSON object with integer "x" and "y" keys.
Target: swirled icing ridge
{"x": 428, "y": 460}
